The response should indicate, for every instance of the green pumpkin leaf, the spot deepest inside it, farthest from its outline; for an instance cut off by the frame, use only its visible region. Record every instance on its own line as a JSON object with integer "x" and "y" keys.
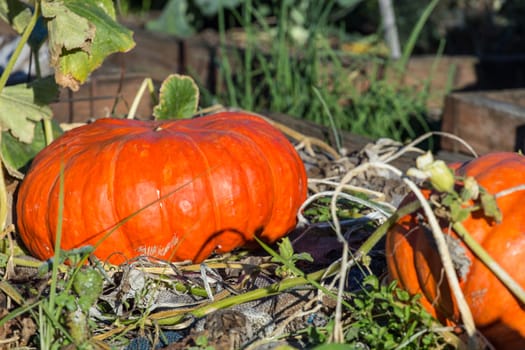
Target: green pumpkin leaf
{"x": 23, "y": 104}
{"x": 16, "y": 13}
{"x": 490, "y": 206}
{"x": 286, "y": 248}
{"x": 88, "y": 284}
{"x": 81, "y": 35}
{"x": 173, "y": 20}
{"x": 449, "y": 199}
{"x": 17, "y": 155}
{"x": 470, "y": 189}
{"x": 179, "y": 98}
{"x": 67, "y": 30}
{"x": 458, "y": 213}
{"x": 303, "y": 257}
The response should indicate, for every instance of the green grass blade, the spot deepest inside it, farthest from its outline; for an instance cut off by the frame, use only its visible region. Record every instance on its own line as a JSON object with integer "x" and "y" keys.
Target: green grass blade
{"x": 414, "y": 35}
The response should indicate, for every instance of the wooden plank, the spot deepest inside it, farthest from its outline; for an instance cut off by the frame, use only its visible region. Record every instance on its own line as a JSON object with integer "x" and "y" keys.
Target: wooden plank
{"x": 489, "y": 121}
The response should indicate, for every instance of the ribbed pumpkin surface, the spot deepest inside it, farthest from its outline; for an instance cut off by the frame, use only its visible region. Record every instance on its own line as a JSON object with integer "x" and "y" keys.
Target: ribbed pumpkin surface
{"x": 413, "y": 259}
{"x": 173, "y": 190}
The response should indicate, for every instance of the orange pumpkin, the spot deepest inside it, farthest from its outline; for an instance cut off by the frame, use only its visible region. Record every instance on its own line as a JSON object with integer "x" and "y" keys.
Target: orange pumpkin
{"x": 176, "y": 190}
{"x": 413, "y": 259}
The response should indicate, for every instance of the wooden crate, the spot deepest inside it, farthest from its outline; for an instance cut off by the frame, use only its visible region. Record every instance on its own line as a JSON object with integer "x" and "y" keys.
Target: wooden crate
{"x": 489, "y": 121}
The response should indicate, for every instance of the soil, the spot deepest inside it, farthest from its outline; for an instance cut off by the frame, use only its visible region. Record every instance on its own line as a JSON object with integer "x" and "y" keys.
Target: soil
{"x": 147, "y": 289}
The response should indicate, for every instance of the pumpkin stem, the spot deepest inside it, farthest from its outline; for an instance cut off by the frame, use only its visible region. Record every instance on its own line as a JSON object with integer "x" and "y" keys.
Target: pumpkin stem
{"x": 491, "y": 264}
{"x": 18, "y": 50}
{"x": 446, "y": 260}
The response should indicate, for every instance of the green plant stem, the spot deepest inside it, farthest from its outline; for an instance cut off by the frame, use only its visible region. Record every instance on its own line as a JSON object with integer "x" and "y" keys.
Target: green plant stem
{"x": 11, "y": 292}
{"x": 18, "y": 50}
{"x": 248, "y": 57}
{"x": 337, "y": 136}
{"x": 225, "y": 63}
{"x": 491, "y": 264}
{"x": 3, "y": 195}
{"x": 54, "y": 319}
{"x": 146, "y": 83}
{"x": 48, "y": 130}
{"x": 21, "y": 261}
{"x": 381, "y": 231}
{"x": 256, "y": 294}
{"x": 3, "y": 81}
{"x": 278, "y": 287}
{"x": 58, "y": 239}
{"x": 414, "y": 35}
{"x": 19, "y": 311}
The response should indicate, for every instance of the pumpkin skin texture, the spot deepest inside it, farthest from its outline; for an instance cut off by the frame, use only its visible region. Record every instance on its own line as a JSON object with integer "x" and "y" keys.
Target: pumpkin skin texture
{"x": 413, "y": 259}
{"x": 192, "y": 187}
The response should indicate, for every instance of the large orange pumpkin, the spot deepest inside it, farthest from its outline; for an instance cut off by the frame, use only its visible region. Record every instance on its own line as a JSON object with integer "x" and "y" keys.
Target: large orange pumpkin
{"x": 194, "y": 187}
{"x": 413, "y": 259}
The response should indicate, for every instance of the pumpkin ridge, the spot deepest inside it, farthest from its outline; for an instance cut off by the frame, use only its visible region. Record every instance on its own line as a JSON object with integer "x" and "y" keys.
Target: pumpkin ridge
{"x": 277, "y": 174}
{"x": 497, "y": 313}
{"x": 174, "y": 131}
{"x": 228, "y": 157}
{"x": 262, "y": 133}
{"x": 154, "y": 139}
{"x": 272, "y": 181}
{"x": 114, "y": 196}
{"x": 96, "y": 237}
{"x": 256, "y": 149}
{"x": 205, "y": 179}
{"x": 53, "y": 216}
{"x": 261, "y": 167}
{"x": 51, "y": 234}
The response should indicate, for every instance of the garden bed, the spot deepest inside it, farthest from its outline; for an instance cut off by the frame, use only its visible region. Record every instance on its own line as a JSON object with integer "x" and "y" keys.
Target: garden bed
{"x": 158, "y": 55}
{"x": 151, "y": 296}
{"x": 325, "y": 282}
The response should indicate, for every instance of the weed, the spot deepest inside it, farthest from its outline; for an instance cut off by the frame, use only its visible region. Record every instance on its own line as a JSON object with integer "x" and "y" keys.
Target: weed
{"x": 309, "y": 79}
{"x": 386, "y": 317}
{"x": 286, "y": 252}
{"x": 201, "y": 343}
{"x": 376, "y": 316}
{"x": 319, "y": 210}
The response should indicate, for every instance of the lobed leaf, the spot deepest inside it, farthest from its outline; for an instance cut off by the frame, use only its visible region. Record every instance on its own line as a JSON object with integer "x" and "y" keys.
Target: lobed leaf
{"x": 81, "y": 35}
{"x": 17, "y": 155}
{"x": 179, "y": 98}
{"x": 23, "y": 104}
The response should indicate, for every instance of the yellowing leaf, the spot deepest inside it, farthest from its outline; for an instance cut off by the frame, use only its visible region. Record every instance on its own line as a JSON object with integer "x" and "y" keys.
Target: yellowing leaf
{"x": 490, "y": 206}
{"x": 82, "y": 34}
{"x": 67, "y": 30}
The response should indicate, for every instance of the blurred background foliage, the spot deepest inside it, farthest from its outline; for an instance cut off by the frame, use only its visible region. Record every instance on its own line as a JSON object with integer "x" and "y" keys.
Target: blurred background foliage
{"x": 328, "y": 62}
{"x": 470, "y": 26}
